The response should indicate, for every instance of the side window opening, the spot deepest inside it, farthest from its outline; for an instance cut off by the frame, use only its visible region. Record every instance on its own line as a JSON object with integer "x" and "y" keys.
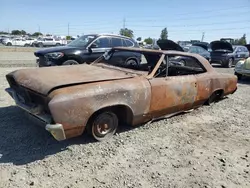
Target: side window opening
{"x": 102, "y": 43}
{"x": 184, "y": 65}
{"x": 129, "y": 43}
{"x": 116, "y": 42}
{"x": 177, "y": 65}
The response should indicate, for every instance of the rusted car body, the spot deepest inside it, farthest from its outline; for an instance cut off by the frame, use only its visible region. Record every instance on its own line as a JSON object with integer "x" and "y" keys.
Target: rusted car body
{"x": 100, "y": 96}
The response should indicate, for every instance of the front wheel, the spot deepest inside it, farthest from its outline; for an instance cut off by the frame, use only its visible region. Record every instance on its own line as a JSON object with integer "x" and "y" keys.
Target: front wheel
{"x": 103, "y": 126}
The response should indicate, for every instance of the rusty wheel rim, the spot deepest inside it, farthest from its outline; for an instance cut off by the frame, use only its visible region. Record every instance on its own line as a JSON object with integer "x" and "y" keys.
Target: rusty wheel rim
{"x": 104, "y": 125}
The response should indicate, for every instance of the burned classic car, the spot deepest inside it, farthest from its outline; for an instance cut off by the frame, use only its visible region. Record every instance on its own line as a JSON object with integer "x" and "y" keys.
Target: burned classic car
{"x": 100, "y": 96}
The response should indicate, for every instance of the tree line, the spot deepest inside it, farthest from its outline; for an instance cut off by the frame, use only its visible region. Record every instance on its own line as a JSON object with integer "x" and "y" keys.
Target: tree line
{"x": 126, "y": 32}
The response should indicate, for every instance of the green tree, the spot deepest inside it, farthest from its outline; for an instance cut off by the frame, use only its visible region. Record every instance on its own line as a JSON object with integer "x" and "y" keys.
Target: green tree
{"x": 242, "y": 40}
{"x": 36, "y": 34}
{"x": 16, "y": 32}
{"x": 164, "y": 33}
{"x": 138, "y": 39}
{"x": 68, "y": 37}
{"x": 23, "y": 32}
{"x": 127, "y": 32}
{"x": 3, "y": 33}
{"x": 148, "y": 40}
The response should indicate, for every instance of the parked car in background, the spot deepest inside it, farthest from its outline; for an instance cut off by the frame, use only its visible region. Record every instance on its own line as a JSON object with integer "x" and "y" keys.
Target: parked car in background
{"x": 16, "y": 42}
{"x": 182, "y": 60}
{"x": 2, "y": 38}
{"x": 86, "y": 49}
{"x": 242, "y": 68}
{"x": 248, "y": 47}
{"x": 226, "y": 54}
{"x": 48, "y": 42}
{"x": 99, "y": 97}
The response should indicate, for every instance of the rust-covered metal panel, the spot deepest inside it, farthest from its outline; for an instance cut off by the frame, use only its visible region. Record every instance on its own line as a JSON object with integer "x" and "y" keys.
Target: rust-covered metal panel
{"x": 72, "y": 106}
{"x": 171, "y": 94}
{"x": 43, "y": 80}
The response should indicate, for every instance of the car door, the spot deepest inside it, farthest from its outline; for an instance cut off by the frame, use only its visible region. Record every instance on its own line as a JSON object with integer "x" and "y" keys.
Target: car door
{"x": 97, "y": 48}
{"x": 16, "y": 42}
{"x": 172, "y": 93}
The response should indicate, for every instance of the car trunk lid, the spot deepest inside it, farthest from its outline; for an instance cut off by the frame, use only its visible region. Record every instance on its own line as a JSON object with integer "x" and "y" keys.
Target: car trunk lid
{"x": 166, "y": 44}
{"x": 221, "y": 47}
{"x": 44, "y": 80}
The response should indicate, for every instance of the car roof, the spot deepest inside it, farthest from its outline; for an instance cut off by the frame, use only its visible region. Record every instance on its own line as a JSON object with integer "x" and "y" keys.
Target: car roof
{"x": 207, "y": 66}
{"x": 113, "y": 35}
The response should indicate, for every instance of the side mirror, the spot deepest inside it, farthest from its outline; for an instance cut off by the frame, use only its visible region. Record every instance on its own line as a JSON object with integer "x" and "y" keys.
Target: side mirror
{"x": 89, "y": 50}
{"x": 94, "y": 45}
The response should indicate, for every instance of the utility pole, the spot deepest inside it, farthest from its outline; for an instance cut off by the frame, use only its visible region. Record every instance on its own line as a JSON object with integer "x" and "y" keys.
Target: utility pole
{"x": 39, "y": 28}
{"x": 124, "y": 23}
{"x": 203, "y": 36}
{"x": 68, "y": 29}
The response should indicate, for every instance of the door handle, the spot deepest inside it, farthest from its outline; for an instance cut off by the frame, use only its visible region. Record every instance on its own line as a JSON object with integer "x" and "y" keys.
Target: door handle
{"x": 195, "y": 84}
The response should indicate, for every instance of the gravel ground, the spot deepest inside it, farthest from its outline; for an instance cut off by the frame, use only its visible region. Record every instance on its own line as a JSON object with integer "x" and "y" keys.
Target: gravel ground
{"x": 208, "y": 147}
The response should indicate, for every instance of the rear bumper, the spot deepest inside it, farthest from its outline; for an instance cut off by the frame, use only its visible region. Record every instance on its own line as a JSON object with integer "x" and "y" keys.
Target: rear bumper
{"x": 56, "y": 130}
{"x": 218, "y": 60}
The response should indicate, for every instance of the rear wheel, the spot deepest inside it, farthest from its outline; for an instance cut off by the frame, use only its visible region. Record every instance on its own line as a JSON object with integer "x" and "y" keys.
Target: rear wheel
{"x": 229, "y": 64}
{"x": 70, "y": 62}
{"x": 9, "y": 44}
{"x": 183, "y": 62}
{"x": 103, "y": 126}
{"x": 214, "y": 97}
{"x": 40, "y": 45}
{"x": 58, "y": 44}
{"x": 26, "y": 45}
{"x": 132, "y": 63}
{"x": 239, "y": 76}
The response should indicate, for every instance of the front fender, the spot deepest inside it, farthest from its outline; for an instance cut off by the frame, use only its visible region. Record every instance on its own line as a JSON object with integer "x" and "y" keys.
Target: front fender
{"x": 73, "y": 106}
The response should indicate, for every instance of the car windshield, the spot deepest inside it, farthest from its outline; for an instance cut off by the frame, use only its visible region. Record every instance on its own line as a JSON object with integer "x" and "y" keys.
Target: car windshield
{"x": 82, "y": 41}
{"x": 192, "y": 49}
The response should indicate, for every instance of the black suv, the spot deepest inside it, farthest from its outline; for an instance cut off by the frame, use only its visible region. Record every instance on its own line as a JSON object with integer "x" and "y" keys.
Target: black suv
{"x": 86, "y": 49}
{"x": 227, "y": 54}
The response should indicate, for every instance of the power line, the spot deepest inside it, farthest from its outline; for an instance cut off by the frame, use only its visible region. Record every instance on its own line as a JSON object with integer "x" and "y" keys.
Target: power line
{"x": 192, "y": 25}
{"x": 192, "y": 18}
{"x": 204, "y": 11}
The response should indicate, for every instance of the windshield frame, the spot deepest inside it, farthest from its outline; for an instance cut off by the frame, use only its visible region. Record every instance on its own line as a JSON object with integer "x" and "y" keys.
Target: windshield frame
{"x": 75, "y": 43}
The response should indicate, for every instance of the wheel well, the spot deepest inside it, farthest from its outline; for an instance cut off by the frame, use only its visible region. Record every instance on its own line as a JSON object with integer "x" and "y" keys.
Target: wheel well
{"x": 219, "y": 93}
{"x": 123, "y": 112}
{"x": 216, "y": 96}
{"x": 72, "y": 58}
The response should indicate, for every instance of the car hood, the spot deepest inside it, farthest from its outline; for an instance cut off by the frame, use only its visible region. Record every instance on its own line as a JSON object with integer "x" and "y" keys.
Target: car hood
{"x": 44, "y": 80}
{"x": 54, "y": 49}
{"x": 169, "y": 45}
{"x": 221, "y": 45}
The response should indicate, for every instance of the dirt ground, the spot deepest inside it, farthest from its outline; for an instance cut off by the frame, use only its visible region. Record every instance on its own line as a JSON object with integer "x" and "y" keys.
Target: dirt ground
{"x": 208, "y": 147}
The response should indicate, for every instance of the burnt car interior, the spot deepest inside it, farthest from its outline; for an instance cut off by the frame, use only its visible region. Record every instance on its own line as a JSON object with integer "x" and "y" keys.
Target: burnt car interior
{"x": 171, "y": 65}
